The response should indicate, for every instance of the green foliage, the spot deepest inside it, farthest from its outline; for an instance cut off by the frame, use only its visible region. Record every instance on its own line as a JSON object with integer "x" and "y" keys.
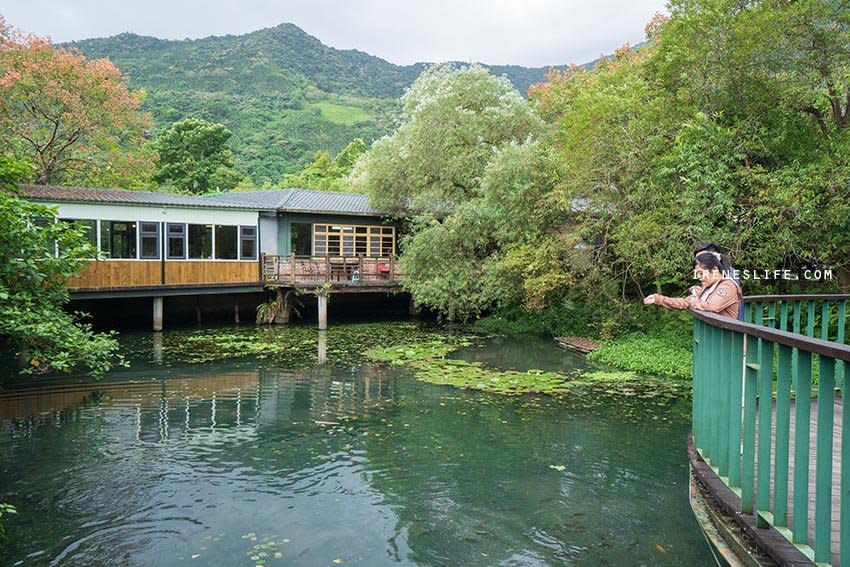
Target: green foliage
{"x": 283, "y": 94}
{"x": 194, "y": 157}
{"x": 5, "y": 510}
{"x": 327, "y": 173}
{"x": 341, "y": 114}
{"x": 662, "y": 353}
{"x": 32, "y": 291}
{"x": 454, "y": 119}
{"x": 279, "y": 308}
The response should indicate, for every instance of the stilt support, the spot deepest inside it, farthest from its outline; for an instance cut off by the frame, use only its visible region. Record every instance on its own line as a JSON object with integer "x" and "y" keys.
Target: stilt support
{"x": 323, "y": 311}
{"x": 157, "y": 313}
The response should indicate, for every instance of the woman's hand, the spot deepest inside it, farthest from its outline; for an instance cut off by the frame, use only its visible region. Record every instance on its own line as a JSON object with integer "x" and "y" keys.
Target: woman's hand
{"x": 650, "y": 299}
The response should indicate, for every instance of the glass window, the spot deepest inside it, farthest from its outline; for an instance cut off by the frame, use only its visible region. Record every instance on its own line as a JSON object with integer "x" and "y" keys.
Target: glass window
{"x": 301, "y": 244}
{"x": 149, "y": 240}
{"x": 360, "y": 244}
{"x": 226, "y": 242}
{"x": 248, "y": 242}
{"x": 351, "y": 240}
{"x": 200, "y": 241}
{"x": 118, "y": 239}
{"x": 176, "y": 241}
{"x": 387, "y": 246}
{"x": 88, "y": 227}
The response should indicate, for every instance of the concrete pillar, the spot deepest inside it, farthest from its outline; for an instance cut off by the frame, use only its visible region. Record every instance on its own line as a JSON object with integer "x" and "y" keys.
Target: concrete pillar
{"x": 236, "y": 312}
{"x": 323, "y": 347}
{"x": 323, "y": 311}
{"x": 157, "y": 313}
{"x": 198, "y": 312}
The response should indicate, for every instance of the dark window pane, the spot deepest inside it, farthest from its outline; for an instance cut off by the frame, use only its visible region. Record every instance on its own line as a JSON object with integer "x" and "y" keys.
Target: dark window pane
{"x": 149, "y": 238}
{"x": 301, "y": 235}
{"x": 247, "y": 242}
{"x": 226, "y": 242}
{"x": 200, "y": 241}
{"x": 333, "y": 246}
{"x": 120, "y": 239}
{"x": 175, "y": 248}
{"x": 249, "y": 249}
{"x": 176, "y": 241}
{"x": 150, "y": 248}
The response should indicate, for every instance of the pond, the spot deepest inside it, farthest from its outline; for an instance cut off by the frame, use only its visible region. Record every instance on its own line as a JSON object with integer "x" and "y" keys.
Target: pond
{"x": 191, "y": 458}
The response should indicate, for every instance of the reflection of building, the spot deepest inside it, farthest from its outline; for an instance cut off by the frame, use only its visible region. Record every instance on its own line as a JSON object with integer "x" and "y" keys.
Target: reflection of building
{"x": 223, "y": 407}
{"x": 163, "y": 244}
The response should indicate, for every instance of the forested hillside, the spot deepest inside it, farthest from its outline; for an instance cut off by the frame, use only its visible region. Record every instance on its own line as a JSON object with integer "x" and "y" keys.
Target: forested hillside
{"x": 283, "y": 93}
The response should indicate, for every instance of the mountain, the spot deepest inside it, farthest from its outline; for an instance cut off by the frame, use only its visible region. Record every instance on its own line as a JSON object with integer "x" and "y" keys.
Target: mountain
{"x": 283, "y": 93}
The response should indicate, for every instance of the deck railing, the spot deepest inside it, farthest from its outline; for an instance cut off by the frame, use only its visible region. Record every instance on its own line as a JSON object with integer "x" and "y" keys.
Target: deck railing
{"x": 351, "y": 270}
{"x": 749, "y": 437}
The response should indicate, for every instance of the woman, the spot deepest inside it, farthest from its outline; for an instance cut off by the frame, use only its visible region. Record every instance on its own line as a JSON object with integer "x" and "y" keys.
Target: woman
{"x": 717, "y": 294}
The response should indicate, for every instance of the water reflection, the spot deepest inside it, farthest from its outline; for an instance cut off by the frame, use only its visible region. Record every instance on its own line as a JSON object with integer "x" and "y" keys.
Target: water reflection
{"x": 323, "y": 346}
{"x": 333, "y": 462}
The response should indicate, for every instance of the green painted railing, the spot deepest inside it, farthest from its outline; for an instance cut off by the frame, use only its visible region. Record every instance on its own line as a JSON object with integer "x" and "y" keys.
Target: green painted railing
{"x": 748, "y": 379}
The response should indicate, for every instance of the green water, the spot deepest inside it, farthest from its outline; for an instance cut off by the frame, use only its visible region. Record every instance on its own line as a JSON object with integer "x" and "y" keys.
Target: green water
{"x": 284, "y": 461}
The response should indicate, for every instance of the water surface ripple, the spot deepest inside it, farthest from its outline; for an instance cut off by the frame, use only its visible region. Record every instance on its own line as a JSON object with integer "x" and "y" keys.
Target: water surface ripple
{"x": 338, "y": 464}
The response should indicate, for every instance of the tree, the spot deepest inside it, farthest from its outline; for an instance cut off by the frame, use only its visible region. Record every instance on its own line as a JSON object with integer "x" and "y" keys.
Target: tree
{"x": 194, "y": 157}
{"x": 454, "y": 120}
{"x": 37, "y": 255}
{"x": 326, "y": 173}
{"x": 75, "y": 120}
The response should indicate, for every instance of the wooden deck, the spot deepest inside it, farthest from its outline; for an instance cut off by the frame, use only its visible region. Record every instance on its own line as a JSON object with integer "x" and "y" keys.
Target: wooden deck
{"x": 836, "y": 470}
{"x": 342, "y": 271}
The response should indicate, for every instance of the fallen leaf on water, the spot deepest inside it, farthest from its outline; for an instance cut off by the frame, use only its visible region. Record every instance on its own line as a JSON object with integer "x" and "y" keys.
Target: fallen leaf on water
{"x": 660, "y": 548}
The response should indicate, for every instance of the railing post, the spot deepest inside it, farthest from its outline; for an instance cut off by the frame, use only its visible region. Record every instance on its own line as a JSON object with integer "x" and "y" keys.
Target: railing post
{"x": 748, "y": 464}
{"x": 810, "y": 319}
{"x": 839, "y": 370}
{"x": 783, "y": 427}
{"x": 802, "y": 418}
{"x": 844, "y": 517}
{"x": 735, "y": 394}
{"x": 824, "y": 320}
{"x": 823, "y": 466}
{"x": 765, "y": 417}
{"x": 294, "y": 268}
{"x": 724, "y": 371}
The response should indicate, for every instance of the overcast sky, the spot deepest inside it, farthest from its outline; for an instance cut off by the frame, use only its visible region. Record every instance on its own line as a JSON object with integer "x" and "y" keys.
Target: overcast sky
{"x": 522, "y": 32}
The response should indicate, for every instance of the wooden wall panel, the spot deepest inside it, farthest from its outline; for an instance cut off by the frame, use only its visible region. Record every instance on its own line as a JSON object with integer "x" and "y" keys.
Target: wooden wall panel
{"x": 108, "y": 274}
{"x": 112, "y": 274}
{"x": 210, "y": 272}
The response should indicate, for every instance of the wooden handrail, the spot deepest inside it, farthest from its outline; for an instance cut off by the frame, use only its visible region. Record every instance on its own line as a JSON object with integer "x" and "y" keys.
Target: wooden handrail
{"x": 794, "y": 340}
